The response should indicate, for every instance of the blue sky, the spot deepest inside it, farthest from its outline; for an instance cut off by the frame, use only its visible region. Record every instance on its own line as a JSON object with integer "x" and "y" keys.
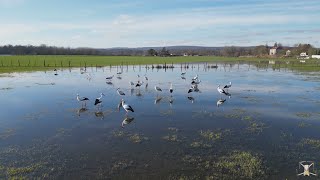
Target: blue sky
{"x": 140, "y": 23}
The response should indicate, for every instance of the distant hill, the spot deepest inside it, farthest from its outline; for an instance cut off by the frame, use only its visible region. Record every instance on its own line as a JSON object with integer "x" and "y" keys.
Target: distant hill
{"x": 232, "y": 51}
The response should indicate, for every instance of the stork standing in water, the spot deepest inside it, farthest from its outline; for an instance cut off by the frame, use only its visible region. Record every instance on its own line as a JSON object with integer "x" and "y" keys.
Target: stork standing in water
{"x": 121, "y": 93}
{"x": 139, "y": 84}
{"x": 227, "y": 86}
{"x": 82, "y": 99}
{"x": 158, "y": 89}
{"x": 145, "y": 76}
{"x": 55, "y": 70}
{"x": 110, "y": 77}
{"x": 98, "y": 101}
{"x": 171, "y": 89}
{"x": 126, "y": 107}
{"x": 195, "y": 78}
{"x": 222, "y": 91}
{"x": 131, "y": 84}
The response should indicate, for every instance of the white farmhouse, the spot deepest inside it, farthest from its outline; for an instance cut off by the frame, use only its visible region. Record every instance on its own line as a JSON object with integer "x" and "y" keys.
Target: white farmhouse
{"x": 273, "y": 51}
{"x": 303, "y": 55}
{"x": 315, "y": 56}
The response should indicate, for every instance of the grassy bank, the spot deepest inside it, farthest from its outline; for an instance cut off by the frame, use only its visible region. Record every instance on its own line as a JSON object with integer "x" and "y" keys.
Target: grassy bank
{"x": 34, "y": 63}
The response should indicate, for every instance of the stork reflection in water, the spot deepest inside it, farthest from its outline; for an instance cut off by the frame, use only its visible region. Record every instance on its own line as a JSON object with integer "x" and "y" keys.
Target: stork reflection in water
{"x": 220, "y": 102}
{"x": 191, "y": 99}
{"x": 127, "y": 120}
{"x": 81, "y": 110}
{"x": 99, "y": 114}
{"x": 171, "y": 100}
{"x": 157, "y": 100}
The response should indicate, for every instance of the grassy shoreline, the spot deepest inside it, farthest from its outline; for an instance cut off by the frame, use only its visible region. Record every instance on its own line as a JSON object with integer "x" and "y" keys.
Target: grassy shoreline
{"x": 10, "y": 64}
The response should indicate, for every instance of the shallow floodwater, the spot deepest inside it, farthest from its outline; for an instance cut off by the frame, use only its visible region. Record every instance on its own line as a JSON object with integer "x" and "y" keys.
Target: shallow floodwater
{"x": 267, "y": 126}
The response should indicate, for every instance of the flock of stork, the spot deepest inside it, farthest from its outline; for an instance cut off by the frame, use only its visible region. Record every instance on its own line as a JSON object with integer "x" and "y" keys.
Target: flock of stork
{"x": 194, "y": 88}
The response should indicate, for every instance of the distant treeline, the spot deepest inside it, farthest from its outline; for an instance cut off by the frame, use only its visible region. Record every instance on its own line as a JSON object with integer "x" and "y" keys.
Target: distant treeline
{"x": 229, "y": 51}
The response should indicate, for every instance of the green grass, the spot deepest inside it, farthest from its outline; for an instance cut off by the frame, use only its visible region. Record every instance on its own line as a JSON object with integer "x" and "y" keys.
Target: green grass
{"x": 36, "y": 63}
{"x": 33, "y": 63}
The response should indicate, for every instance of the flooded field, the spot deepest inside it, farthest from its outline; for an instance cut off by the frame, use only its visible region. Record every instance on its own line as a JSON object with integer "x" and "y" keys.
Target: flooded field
{"x": 267, "y": 123}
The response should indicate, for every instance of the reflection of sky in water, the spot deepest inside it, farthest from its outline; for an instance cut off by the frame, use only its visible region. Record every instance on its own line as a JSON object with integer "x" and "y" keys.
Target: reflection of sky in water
{"x": 36, "y": 108}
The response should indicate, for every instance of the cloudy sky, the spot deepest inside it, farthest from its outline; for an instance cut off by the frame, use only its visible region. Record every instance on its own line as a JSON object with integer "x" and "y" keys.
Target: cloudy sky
{"x": 138, "y": 23}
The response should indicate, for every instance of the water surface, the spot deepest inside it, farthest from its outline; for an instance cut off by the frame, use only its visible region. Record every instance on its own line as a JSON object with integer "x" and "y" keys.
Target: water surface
{"x": 269, "y": 124}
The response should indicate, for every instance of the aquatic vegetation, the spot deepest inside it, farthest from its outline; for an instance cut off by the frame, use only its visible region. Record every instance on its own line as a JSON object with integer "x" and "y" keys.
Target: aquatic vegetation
{"x": 191, "y": 159}
{"x": 20, "y": 172}
{"x": 200, "y": 144}
{"x": 235, "y": 114}
{"x": 121, "y": 165}
{"x": 252, "y": 99}
{"x": 7, "y": 133}
{"x": 232, "y": 116}
{"x": 239, "y": 110}
{"x": 32, "y": 116}
{"x": 303, "y": 114}
{"x": 173, "y": 129}
{"x": 172, "y": 138}
{"x": 211, "y": 135}
{"x": 315, "y": 143}
{"x": 202, "y": 114}
{"x": 240, "y": 164}
{"x": 247, "y": 118}
{"x": 167, "y": 112}
{"x": 303, "y": 124}
{"x": 256, "y": 127}
{"x": 285, "y": 135}
{"x": 119, "y": 133}
{"x": 136, "y": 138}
{"x": 180, "y": 176}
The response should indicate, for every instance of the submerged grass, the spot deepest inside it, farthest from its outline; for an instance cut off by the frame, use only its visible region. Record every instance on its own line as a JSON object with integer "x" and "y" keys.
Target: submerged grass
{"x": 303, "y": 114}
{"x": 171, "y": 138}
{"x": 234, "y": 165}
{"x": 14, "y": 171}
{"x": 314, "y": 143}
{"x": 211, "y": 135}
{"x": 134, "y": 138}
{"x": 241, "y": 164}
{"x": 7, "y": 133}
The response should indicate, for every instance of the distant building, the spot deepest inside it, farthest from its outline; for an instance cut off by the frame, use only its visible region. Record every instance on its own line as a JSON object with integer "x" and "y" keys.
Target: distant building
{"x": 288, "y": 53}
{"x": 273, "y": 51}
{"x": 303, "y": 55}
{"x": 185, "y": 54}
{"x": 315, "y": 56}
